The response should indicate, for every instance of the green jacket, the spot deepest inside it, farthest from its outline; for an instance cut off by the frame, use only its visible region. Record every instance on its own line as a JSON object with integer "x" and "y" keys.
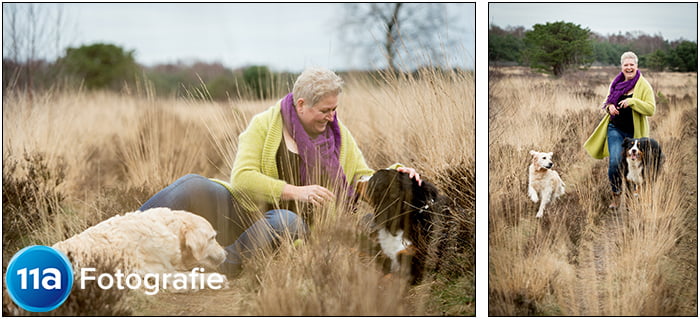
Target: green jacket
{"x": 642, "y": 103}
{"x": 255, "y": 179}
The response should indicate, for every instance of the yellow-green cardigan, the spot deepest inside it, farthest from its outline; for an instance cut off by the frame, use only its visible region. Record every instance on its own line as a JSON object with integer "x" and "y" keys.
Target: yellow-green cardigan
{"x": 254, "y": 177}
{"x": 642, "y": 103}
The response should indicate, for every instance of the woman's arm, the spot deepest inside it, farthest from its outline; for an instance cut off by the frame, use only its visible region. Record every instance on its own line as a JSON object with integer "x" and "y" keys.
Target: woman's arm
{"x": 314, "y": 194}
{"x": 247, "y": 177}
{"x": 643, "y": 100}
{"x": 351, "y": 158}
{"x": 357, "y": 167}
{"x": 254, "y": 168}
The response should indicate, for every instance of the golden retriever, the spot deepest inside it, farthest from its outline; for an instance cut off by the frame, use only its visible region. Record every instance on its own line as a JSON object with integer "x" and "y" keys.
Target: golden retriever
{"x": 156, "y": 241}
{"x": 544, "y": 183}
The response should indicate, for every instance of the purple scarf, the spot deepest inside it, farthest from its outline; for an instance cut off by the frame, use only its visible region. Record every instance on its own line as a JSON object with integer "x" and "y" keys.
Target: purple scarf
{"x": 324, "y": 148}
{"x": 619, "y": 87}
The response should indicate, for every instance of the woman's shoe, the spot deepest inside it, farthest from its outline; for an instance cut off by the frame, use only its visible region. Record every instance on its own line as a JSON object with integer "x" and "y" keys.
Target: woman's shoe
{"x": 230, "y": 269}
{"x": 615, "y": 201}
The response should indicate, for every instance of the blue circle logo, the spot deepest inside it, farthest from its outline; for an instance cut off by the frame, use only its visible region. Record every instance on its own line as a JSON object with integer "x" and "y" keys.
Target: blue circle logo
{"x": 39, "y": 278}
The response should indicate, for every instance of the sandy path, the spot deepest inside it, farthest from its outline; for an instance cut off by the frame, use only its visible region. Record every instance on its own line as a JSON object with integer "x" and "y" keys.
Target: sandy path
{"x": 597, "y": 243}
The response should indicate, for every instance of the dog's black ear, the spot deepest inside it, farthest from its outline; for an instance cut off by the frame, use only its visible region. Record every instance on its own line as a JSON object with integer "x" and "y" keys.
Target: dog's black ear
{"x": 386, "y": 195}
{"x": 394, "y": 196}
{"x": 657, "y": 155}
{"x": 661, "y": 153}
{"x": 653, "y": 145}
{"x": 644, "y": 144}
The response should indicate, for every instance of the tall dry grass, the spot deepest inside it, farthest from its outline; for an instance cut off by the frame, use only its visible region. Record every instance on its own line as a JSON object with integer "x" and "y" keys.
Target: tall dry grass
{"x": 581, "y": 258}
{"x": 116, "y": 150}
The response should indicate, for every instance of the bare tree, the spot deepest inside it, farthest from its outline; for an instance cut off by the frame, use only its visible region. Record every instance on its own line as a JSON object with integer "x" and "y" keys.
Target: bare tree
{"x": 410, "y": 33}
{"x": 32, "y": 33}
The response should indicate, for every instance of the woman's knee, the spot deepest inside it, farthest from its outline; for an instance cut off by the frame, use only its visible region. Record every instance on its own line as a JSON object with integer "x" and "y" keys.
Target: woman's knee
{"x": 190, "y": 179}
{"x": 175, "y": 195}
{"x": 282, "y": 220}
{"x": 615, "y": 151}
{"x": 194, "y": 193}
{"x": 614, "y": 163}
{"x": 197, "y": 186}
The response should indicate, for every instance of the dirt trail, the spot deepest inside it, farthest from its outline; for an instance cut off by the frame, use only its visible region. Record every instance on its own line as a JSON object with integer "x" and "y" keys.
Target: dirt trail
{"x": 594, "y": 251}
{"x": 597, "y": 242}
{"x": 199, "y": 303}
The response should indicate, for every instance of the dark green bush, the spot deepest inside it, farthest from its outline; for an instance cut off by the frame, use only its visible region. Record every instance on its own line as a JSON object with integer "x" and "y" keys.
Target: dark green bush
{"x": 100, "y": 65}
{"x": 259, "y": 80}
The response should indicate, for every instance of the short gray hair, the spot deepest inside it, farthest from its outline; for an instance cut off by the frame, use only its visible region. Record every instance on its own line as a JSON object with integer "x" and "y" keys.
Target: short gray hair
{"x": 629, "y": 55}
{"x": 316, "y": 83}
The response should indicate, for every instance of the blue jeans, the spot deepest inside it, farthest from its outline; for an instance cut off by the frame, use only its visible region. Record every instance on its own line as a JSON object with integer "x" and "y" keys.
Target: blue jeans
{"x": 266, "y": 233}
{"x": 615, "y": 138}
{"x": 213, "y": 201}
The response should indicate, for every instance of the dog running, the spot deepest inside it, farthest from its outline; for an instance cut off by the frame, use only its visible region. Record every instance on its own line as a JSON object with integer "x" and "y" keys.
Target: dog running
{"x": 544, "y": 183}
{"x": 643, "y": 161}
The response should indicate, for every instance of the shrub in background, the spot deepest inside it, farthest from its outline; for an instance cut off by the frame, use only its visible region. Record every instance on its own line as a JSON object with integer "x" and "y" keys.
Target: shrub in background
{"x": 100, "y": 66}
{"x": 259, "y": 79}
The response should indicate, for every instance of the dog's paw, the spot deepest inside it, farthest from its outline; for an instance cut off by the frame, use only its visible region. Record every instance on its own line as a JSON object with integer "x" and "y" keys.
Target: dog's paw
{"x": 539, "y": 214}
{"x": 386, "y": 281}
{"x": 409, "y": 251}
{"x": 226, "y": 285}
{"x": 534, "y": 197}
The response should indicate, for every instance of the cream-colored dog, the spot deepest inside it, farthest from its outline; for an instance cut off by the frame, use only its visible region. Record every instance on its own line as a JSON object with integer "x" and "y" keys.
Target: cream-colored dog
{"x": 156, "y": 241}
{"x": 544, "y": 183}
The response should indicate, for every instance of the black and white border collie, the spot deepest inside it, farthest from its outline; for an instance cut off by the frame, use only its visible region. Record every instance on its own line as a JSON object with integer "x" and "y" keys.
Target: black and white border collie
{"x": 642, "y": 162}
{"x": 403, "y": 215}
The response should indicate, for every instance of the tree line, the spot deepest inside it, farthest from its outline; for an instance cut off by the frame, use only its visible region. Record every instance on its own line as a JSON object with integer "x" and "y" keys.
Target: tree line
{"x": 558, "y": 46}
{"x": 104, "y": 66}
{"x": 408, "y": 36}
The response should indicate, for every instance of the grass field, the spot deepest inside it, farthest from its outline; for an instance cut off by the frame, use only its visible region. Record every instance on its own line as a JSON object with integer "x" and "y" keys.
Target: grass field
{"x": 582, "y": 259}
{"x": 73, "y": 158}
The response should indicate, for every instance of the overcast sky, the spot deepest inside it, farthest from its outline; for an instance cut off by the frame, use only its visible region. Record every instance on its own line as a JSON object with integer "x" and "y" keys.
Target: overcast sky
{"x": 284, "y": 36}
{"x": 672, "y": 20}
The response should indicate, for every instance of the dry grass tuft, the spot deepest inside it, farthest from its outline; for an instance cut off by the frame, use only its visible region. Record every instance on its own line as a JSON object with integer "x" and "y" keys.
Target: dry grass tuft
{"x": 29, "y": 195}
{"x": 327, "y": 275}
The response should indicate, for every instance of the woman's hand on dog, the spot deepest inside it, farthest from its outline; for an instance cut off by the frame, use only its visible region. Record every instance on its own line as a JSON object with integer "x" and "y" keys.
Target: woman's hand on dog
{"x": 319, "y": 195}
{"x": 411, "y": 174}
{"x": 314, "y": 194}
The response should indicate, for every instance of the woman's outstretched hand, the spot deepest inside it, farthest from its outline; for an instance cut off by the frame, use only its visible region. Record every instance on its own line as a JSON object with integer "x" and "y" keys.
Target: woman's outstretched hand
{"x": 314, "y": 194}
{"x": 411, "y": 174}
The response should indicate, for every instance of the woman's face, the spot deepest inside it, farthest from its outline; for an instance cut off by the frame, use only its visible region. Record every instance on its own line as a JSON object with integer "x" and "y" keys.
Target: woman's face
{"x": 629, "y": 68}
{"x": 315, "y": 119}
